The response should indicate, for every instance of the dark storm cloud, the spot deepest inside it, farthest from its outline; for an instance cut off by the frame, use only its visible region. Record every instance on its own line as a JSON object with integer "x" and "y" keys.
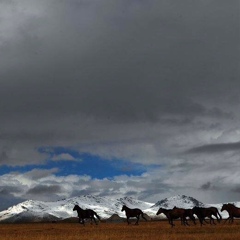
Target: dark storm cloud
{"x": 7, "y": 197}
{"x": 208, "y": 186}
{"x": 129, "y": 62}
{"x": 44, "y": 189}
{"x": 216, "y": 148}
{"x": 9, "y": 190}
{"x": 67, "y": 66}
{"x": 135, "y": 80}
{"x": 236, "y": 189}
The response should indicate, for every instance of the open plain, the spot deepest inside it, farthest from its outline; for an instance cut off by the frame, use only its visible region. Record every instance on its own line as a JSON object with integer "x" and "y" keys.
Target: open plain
{"x": 151, "y": 230}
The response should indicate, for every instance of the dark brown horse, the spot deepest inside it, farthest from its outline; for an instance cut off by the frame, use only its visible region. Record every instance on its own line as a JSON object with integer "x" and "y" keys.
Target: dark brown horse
{"x": 188, "y": 213}
{"x": 136, "y": 212}
{"x": 83, "y": 214}
{"x": 203, "y": 212}
{"x": 173, "y": 214}
{"x": 233, "y": 211}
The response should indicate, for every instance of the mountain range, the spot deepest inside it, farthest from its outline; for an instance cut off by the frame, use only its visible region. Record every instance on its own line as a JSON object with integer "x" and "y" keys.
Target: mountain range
{"x": 106, "y": 208}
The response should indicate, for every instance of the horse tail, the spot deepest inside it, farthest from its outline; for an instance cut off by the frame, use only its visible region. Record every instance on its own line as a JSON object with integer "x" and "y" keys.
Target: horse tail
{"x": 97, "y": 216}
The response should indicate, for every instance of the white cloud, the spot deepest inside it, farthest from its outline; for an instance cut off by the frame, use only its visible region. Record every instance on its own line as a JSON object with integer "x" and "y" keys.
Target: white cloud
{"x": 201, "y": 182}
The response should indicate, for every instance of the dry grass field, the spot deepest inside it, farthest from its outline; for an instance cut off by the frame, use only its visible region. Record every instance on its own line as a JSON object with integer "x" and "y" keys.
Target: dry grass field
{"x": 115, "y": 231}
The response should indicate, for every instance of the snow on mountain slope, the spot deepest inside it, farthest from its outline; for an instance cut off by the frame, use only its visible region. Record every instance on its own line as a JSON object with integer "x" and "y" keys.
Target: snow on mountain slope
{"x": 105, "y": 207}
{"x": 180, "y": 201}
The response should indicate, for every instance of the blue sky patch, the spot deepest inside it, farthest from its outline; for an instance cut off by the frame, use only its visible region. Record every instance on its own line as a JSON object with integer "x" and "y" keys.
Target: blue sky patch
{"x": 83, "y": 164}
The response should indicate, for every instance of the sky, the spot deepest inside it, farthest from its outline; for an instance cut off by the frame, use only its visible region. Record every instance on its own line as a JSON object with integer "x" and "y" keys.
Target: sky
{"x": 119, "y": 98}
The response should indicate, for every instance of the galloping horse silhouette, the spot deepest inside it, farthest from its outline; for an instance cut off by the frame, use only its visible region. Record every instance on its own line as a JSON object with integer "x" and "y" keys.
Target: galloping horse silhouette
{"x": 83, "y": 214}
{"x": 172, "y": 214}
{"x": 232, "y": 210}
{"x": 136, "y": 212}
{"x": 187, "y": 213}
{"x": 203, "y": 212}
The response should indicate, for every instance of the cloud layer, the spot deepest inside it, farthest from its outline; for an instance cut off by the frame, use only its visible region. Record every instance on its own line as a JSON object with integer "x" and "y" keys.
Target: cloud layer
{"x": 150, "y": 83}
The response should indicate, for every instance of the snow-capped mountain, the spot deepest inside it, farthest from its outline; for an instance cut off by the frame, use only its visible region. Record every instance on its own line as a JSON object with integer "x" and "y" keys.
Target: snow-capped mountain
{"x": 50, "y": 211}
{"x": 180, "y": 201}
{"x": 36, "y": 211}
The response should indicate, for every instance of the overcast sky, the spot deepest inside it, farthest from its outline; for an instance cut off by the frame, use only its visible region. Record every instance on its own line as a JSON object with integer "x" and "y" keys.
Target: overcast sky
{"x": 119, "y": 98}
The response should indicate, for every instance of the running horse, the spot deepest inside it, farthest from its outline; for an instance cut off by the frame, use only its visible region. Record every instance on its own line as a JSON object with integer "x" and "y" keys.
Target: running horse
{"x": 203, "y": 212}
{"x": 187, "y": 213}
{"x": 136, "y": 212}
{"x": 232, "y": 210}
{"x": 83, "y": 214}
{"x": 173, "y": 214}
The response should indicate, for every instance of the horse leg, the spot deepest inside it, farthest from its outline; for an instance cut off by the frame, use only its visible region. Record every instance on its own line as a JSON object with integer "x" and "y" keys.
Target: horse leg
{"x": 185, "y": 221}
{"x": 212, "y": 220}
{"x": 228, "y": 219}
{"x": 171, "y": 222}
{"x": 128, "y": 220}
{"x": 204, "y": 220}
{"x": 81, "y": 221}
{"x": 193, "y": 219}
{"x": 201, "y": 220}
{"x": 216, "y": 216}
{"x": 136, "y": 223}
{"x": 144, "y": 217}
{"x": 94, "y": 220}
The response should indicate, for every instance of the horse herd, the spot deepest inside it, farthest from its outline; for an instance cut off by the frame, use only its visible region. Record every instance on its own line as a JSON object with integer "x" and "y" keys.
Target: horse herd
{"x": 172, "y": 214}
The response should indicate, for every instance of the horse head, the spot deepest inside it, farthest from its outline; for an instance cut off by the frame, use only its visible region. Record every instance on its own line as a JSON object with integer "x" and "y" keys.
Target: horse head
{"x": 76, "y": 207}
{"x": 160, "y": 210}
{"x": 228, "y": 206}
{"x": 123, "y": 208}
{"x": 224, "y": 207}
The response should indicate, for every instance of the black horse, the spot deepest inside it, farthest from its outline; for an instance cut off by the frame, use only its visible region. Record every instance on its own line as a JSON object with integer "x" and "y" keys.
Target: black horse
{"x": 203, "y": 212}
{"x": 187, "y": 213}
{"x": 83, "y": 214}
{"x": 173, "y": 214}
{"x": 232, "y": 210}
{"x": 136, "y": 212}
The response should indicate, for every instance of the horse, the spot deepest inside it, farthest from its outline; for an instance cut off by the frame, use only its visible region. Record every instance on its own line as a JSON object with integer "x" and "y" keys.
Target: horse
{"x": 203, "y": 212}
{"x": 188, "y": 213}
{"x": 232, "y": 210}
{"x": 83, "y": 214}
{"x": 173, "y": 214}
{"x": 136, "y": 212}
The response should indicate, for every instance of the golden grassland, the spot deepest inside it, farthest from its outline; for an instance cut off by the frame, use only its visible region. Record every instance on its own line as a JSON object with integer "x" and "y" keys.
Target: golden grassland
{"x": 152, "y": 230}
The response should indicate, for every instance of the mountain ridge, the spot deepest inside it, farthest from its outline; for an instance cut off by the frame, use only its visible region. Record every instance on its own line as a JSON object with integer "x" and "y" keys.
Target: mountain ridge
{"x": 37, "y": 211}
